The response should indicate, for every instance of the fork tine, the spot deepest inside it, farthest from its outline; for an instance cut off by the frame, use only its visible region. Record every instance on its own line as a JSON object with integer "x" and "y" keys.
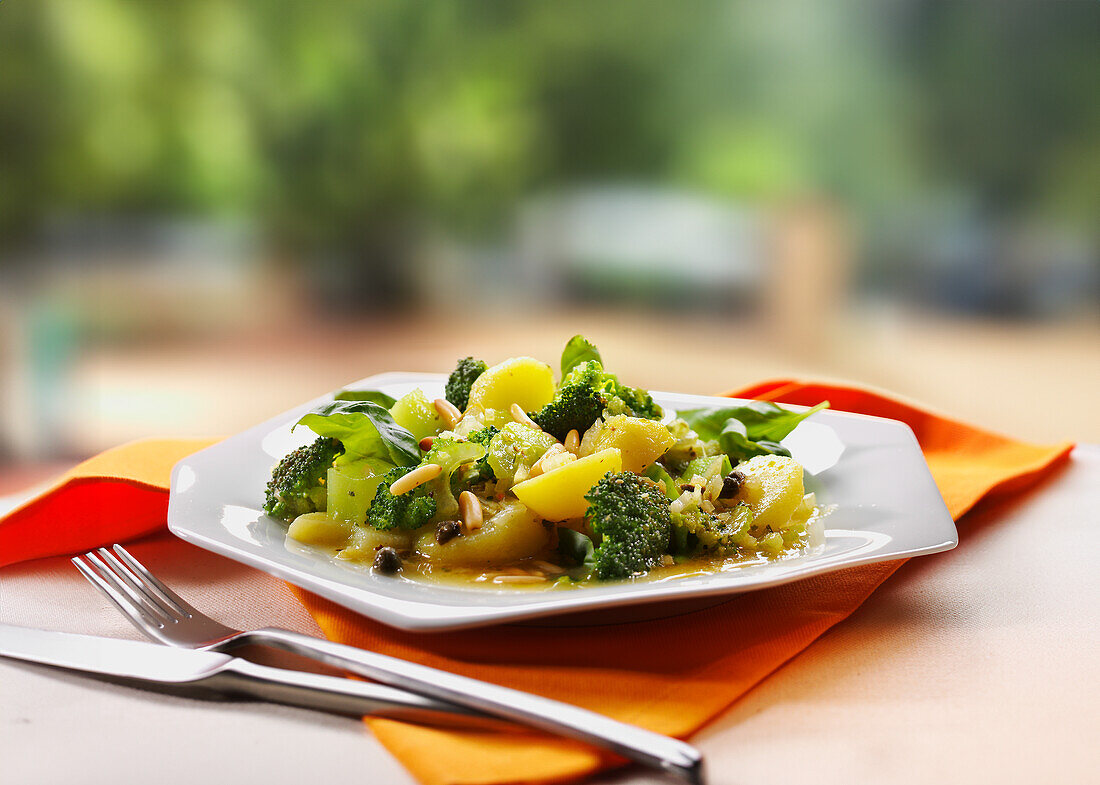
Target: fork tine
{"x": 136, "y": 598}
{"x": 141, "y": 618}
{"x": 134, "y": 582}
{"x": 169, "y": 595}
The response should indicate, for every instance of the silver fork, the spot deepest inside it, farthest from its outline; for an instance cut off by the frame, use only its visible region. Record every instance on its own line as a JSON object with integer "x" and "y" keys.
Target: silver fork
{"x": 166, "y": 617}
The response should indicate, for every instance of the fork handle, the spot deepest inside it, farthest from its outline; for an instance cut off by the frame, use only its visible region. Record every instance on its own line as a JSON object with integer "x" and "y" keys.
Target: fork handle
{"x": 562, "y": 719}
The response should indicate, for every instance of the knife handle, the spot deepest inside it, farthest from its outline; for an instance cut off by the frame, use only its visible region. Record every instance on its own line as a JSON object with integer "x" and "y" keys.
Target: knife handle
{"x": 562, "y": 719}
{"x": 352, "y": 697}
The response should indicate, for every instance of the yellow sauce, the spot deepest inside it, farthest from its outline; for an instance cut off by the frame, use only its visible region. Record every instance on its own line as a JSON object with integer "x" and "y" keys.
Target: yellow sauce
{"x": 417, "y": 568}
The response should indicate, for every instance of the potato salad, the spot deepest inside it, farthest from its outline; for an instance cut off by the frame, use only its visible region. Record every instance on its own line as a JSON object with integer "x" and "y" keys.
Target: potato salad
{"x": 521, "y": 477}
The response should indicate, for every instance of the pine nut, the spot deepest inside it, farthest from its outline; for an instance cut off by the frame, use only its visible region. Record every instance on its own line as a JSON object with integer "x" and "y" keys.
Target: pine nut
{"x": 470, "y": 507}
{"x": 521, "y": 417}
{"x": 519, "y": 579}
{"x": 555, "y": 449}
{"x": 556, "y": 461}
{"x": 448, "y": 411}
{"x": 536, "y": 467}
{"x": 573, "y": 441}
{"x": 546, "y": 566}
{"x": 415, "y": 478}
{"x": 426, "y": 443}
{"x": 554, "y": 458}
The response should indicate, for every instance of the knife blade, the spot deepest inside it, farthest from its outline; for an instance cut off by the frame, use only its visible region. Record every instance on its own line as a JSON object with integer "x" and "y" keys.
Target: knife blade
{"x": 223, "y": 675}
{"x": 109, "y": 656}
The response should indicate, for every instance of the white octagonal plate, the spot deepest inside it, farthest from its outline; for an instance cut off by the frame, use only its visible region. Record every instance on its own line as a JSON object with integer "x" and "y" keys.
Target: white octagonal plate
{"x": 870, "y": 471}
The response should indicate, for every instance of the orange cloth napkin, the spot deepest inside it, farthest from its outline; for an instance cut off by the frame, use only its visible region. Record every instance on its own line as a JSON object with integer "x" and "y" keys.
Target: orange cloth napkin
{"x": 116, "y": 496}
{"x": 671, "y": 675}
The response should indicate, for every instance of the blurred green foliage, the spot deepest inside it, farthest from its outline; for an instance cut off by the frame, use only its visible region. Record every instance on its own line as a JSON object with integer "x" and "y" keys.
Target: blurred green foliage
{"x": 342, "y": 127}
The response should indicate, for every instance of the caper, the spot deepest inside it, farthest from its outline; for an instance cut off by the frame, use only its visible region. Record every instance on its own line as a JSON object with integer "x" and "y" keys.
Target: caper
{"x": 731, "y": 485}
{"x": 387, "y": 561}
{"x": 447, "y": 531}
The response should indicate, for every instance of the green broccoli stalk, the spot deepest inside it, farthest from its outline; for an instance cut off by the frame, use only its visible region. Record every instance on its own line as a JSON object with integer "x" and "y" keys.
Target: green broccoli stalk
{"x": 451, "y": 454}
{"x": 410, "y": 510}
{"x": 297, "y": 484}
{"x": 631, "y": 517}
{"x": 460, "y": 381}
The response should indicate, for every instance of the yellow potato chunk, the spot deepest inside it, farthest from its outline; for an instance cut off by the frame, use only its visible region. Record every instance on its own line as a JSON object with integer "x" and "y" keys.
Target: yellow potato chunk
{"x": 513, "y": 533}
{"x": 365, "y": 541}
{"x": 522, "y": 380}
{"x": 772, "y": 488}
{"x": 640, "y": 441}
{"x": 559, "y": 494}
{"x": 317, "y": 528}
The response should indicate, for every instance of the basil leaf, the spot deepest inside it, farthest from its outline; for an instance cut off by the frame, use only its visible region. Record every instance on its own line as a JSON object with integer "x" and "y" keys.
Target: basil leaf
{"x": 374, "y": 396}
{"x": 765, "y": 421}
{"x": 739, "y": 447}
{"x": 578, "y": 350}
{"x": 366, "y": 430}
{"x": 707, "y": 423}
{"x": 753, "y": 428}
{"x": 575, "y": 548}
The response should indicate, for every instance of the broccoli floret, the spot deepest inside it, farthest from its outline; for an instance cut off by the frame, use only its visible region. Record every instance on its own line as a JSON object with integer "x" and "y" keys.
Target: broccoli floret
{"x": 577, "y": 404}
{"x": 631, "y": 401}
{"x": 720, "y": 534}
{"x": 587, "y": 392}
{"x": 410, "y": 510}
{"x": 297, "y": 484}
{"x": 632, "y": 518}
{"x": 462, "y": 378}
{"x": 484, "y": 436}
{"x": 482, "y": 471}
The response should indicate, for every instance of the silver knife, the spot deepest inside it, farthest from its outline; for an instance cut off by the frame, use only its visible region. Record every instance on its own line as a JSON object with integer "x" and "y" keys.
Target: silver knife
{"x": 221, "y": 675}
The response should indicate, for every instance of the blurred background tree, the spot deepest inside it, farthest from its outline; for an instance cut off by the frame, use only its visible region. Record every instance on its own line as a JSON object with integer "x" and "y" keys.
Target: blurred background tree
{"x": 344, "y": 131}
{"x": 195, "y": 196}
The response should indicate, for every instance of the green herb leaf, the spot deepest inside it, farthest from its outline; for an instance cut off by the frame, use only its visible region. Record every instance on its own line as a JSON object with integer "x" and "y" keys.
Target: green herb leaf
{"x": 575, "y": 548}
{"x": 374, "y": 396}
{"x": 754, "y": 428}
{"x": 765, "y": 421}
{"x": 366, "y": 430}
{"x": 736, "y": 444}
{"x": 578, "y": 350}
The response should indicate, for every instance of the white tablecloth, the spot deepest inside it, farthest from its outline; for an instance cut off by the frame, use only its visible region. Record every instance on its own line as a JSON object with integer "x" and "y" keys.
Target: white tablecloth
{"x": 977, "y": 665}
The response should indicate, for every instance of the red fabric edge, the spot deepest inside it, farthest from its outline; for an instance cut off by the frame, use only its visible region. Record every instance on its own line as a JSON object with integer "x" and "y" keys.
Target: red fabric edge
{"x": 82, "y": 513}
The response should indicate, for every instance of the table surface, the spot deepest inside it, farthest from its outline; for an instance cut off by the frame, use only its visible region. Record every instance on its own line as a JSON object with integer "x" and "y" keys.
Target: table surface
{"x": 976, "y": 665}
